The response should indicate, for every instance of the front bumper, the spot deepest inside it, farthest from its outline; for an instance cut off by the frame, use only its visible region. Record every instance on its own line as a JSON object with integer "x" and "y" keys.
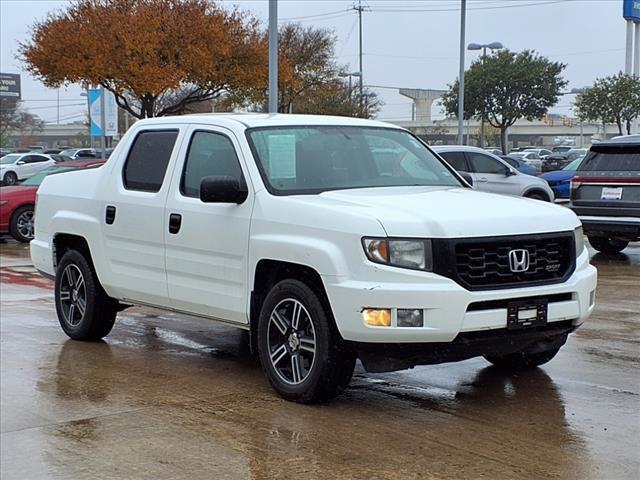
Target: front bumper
{"x": 445, "y": 304}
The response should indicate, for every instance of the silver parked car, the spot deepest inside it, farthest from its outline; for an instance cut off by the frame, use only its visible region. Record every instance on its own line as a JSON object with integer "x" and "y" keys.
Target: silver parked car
{"x": 491, "y": 174}
{"x": 530, "y": 158}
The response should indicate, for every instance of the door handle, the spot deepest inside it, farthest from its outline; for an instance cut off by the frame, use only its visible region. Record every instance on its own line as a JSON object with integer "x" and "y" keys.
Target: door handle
{"x": 483, "y": 179}
{"x": 110, "y": 214}
{"x": 175, "y": 221}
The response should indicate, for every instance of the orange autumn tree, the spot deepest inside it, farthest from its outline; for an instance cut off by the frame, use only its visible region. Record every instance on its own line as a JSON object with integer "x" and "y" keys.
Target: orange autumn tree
{"x": 157, "y": 56}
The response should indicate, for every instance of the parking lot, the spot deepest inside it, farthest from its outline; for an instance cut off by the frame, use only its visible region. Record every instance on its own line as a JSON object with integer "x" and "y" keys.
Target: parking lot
{"x": 168, "y": 396}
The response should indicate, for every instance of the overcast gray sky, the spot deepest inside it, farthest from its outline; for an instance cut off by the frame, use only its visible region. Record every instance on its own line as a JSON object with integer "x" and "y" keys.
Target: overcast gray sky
{"x": 406, "y": 43}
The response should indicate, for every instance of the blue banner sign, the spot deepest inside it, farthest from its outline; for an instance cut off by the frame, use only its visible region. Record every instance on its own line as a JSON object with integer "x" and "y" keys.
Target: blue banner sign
{"x": 94, "y": 112}
{"x": 631, "y": 10}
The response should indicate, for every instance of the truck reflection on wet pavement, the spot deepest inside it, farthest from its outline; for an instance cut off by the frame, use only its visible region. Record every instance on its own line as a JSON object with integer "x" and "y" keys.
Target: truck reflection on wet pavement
{"x": 169, "y": 396}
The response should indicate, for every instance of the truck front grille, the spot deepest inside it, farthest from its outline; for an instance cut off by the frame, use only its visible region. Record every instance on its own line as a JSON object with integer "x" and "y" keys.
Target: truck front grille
{"x": 483, "y": 263}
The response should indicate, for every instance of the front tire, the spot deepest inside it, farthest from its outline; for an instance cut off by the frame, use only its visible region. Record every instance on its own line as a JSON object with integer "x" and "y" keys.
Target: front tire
{"x": 608, "y": 245}
{"x": 21, "y": 226}
{"x": 85, "y": 312}
{"x": 300, "y": 350}
{"x": 10, "y": 178}
{"x": 521, "y": 360}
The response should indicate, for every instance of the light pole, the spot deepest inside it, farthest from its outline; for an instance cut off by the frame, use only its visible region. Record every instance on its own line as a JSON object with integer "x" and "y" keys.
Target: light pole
{"x": 463, "y": 18}
{"x": 477, "y": 46}
{"x": 273, "y": 56}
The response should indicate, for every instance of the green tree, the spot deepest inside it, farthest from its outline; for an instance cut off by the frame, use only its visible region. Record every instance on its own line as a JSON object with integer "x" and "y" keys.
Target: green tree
{"x": 611, "y": 99}
{"x": 508, "y": 86}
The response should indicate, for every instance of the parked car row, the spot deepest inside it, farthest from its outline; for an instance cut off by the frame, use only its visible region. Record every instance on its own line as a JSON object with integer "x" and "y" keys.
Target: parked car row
{"x": 17, "y": 202}
{"x": 15, "y": 167}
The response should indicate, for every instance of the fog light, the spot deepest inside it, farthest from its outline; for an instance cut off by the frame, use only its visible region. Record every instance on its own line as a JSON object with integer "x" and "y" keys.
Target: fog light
{"x": 410, "y": 317}
{"x": 377, "y": 317}
{"x": 592, "y": 298}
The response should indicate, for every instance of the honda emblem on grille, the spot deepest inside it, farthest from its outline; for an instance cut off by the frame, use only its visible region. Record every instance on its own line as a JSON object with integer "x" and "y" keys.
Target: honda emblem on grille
{"x": 519, "y": 260}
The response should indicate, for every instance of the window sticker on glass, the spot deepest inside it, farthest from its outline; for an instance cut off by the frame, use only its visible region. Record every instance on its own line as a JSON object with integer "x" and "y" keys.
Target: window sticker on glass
{"x": 282, "y": 156}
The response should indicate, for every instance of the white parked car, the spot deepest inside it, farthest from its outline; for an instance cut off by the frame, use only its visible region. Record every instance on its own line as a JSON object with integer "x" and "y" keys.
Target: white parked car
{"x": 541, "y": 152}
{"x": 530, "y": 158}
{"x": 19, "y": 166}
{"x": 492, "y": 174}
{"x": 327, "y": 238}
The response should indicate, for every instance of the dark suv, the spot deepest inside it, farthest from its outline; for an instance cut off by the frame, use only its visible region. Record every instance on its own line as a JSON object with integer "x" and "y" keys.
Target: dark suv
{"x": 605, "y": 194}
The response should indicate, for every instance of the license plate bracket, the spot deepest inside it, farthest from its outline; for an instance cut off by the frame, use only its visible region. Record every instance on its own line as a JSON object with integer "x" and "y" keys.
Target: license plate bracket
{"x": 527, "y": 314}
{"x": 611, "y": 193}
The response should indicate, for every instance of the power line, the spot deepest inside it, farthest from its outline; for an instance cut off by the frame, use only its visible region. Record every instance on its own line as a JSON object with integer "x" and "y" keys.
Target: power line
{"x": 304, "y": 17}
{"x": 455, "y": 9}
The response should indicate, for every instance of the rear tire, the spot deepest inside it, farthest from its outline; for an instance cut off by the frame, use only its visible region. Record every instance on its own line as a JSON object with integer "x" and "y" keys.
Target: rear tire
{"x": 608, "y": 245}
{"x": 10, "y": 178}
{"x": 521, "y": 360}
{"x": 300, "y": 349}
{"x": 85, "y": 311}
{"x": 21, "y": 225}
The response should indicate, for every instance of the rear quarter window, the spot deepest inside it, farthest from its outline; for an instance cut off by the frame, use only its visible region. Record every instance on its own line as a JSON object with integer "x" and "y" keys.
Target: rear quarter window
{"x": 147, "y": 161}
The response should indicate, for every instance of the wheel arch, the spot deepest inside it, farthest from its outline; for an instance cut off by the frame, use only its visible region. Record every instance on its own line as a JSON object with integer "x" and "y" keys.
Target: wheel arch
{"x": 538, "y": 191}
{"x": 63, "y": 242}
{"x": 269, "y": 272}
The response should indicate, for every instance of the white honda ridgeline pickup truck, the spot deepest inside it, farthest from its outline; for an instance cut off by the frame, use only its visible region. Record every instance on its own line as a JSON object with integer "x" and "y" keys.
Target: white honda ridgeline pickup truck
{"x": 328, "y": 238}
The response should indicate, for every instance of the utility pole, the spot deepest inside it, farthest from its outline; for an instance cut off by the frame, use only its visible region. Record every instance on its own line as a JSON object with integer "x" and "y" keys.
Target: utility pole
{"x": 273, "y": 56}
{"x": 359, "y": 8}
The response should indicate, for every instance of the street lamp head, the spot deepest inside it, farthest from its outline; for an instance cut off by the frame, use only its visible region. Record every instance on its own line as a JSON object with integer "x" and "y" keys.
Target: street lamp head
{"x": 474, "y": 46}
{"x": 352, "y": 74}
{"x": 495, "y": 46}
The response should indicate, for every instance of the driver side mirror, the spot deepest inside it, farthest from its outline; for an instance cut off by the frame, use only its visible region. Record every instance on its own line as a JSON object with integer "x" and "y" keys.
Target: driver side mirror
{"x": 222, "y": 189}
{"x": 20, "y": 162}
{"x": 510, "y": 172}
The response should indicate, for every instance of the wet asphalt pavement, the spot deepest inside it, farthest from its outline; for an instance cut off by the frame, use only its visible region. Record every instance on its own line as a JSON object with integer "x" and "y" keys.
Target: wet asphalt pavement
{"x": 168, "y": 396}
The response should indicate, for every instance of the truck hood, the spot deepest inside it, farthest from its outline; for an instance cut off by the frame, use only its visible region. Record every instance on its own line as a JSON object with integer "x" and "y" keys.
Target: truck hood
{"x": 452, "y": 212}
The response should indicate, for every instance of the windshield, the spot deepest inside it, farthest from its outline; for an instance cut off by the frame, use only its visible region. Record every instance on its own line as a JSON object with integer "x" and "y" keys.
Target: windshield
{"x": 68, "y": 153}
{"x": 517, "y": 154}
{"x": 36, "y": 179}
{"x": 7, "y": 159}
{"x": 313, "y": 159}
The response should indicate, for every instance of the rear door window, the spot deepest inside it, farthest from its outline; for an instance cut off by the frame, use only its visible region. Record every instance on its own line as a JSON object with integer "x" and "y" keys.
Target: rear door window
{"x": 146, "y": 164}
{"x": 485, "y": 164}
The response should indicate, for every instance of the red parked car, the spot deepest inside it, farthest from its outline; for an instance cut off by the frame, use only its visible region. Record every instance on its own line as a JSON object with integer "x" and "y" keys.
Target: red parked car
{"x": 17, "y": 202}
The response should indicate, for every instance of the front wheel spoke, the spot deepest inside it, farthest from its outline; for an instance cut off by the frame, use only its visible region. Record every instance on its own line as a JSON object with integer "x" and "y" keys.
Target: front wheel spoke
{"x": 65, "y": 295}
{"x": 280, "y": 322}
{"x": 72, "y": 311}
{"x": 79, "y": 282}
{"x": 82, "y": 306}
{"x": 69, "y": 276}
{"x": 296, "y": 368}
{"x": 295, "y": 315}
{"x": 308, "y": 344}
{"x": 278, "y": 354}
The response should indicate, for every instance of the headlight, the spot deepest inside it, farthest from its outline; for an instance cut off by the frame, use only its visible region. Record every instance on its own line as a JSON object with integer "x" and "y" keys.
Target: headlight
{"x": 415, "y": 254}
{"x": 578, "y": 236}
